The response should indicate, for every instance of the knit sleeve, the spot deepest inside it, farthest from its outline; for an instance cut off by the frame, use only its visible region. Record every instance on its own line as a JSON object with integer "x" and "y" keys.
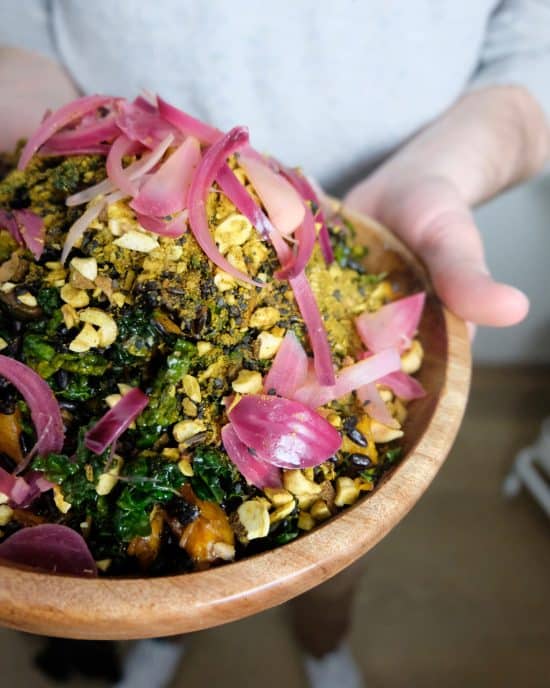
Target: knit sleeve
{"x": 27, "y": 25}
{"x": 516, "y": 49}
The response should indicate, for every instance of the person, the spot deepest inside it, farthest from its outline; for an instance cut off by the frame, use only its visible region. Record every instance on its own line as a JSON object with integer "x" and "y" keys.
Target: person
{"x": 413, "y": 112}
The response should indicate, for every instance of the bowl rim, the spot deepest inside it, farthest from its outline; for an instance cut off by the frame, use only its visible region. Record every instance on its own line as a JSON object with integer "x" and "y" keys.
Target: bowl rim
{"x": 128, "y": 608}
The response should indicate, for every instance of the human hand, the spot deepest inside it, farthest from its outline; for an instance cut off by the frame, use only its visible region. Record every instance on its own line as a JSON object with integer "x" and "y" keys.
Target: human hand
{"x": 489, "y": 140}
{"x": 30, "y": 84}
{"x": 429, "y": 215}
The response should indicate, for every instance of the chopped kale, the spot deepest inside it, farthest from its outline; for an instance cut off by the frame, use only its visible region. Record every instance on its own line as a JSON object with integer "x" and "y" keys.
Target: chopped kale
{"x": 179, "y": 362}
{"x": 73, "y": 473}
{"x": 216, "y": 478}
{"x": 153, "y": 481}
{"x": 49, "y": 300}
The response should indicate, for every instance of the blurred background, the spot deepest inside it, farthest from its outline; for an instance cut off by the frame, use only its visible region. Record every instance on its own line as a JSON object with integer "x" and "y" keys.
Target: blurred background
{"x": 516, "y": 230}
{"x": 458, "y": 594}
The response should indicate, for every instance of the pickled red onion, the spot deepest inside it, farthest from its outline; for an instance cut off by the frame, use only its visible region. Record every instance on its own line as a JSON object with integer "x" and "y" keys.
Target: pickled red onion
{"x": 174, "y": 227}
{"x": 214, "y": 158}
{"x": 57, "y": 120}
{"x": 165, "y": 193}
{"x": 118, "y": 419}
{"x": 348, "y": 379}
{"x": 288, "y": 371}
{"x": 117, "y": 174}
{"x": 403, "y": 386}
{"x": 305, "y": 235}
{"x": 85, "y": 220}
{"x": 257, "y": 472}
{"x": 143, "y": 124}
{"x": 98, "y": 132}
{"x": 318, "y": 338}
{"x": 134, "y": 171}
{"x": 284, "y": 206}
{"x": 50, "y": 547}
{"x": 300, "y": 182}
{"x": 188, "y": 125}
{"x": 41, "y": 401}
{"x": 284, "y": 432}
{"x": 31, "y": 229}
{"x": 8, "y": 221}
{"x": 393, "y": 325}
{"x": 243, "y": 201}
{"x": 375, "y": 406}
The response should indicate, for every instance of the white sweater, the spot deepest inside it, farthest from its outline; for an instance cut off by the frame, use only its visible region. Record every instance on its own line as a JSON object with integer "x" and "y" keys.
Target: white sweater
{"x": 331, "y": 85}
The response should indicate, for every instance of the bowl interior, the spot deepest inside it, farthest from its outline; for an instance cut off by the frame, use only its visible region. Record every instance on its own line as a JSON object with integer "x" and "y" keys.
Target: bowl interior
{"x": 145, "y": 607}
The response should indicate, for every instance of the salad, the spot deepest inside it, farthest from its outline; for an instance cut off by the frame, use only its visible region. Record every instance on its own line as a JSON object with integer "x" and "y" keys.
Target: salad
{"x": 195, "y": 365}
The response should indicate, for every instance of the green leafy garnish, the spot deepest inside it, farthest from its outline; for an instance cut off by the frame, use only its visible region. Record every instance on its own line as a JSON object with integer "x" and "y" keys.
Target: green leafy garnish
{"x": 215, "y": 479}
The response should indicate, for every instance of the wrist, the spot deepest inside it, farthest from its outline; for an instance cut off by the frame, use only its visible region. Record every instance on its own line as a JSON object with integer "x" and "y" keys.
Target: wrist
{"x": 486, "y": 142}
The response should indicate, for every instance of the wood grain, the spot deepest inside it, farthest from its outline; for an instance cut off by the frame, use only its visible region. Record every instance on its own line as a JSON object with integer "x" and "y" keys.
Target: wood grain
{"x": 135, "y": 608}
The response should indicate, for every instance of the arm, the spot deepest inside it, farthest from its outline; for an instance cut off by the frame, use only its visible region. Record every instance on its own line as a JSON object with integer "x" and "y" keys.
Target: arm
{"x": 488, "y": 141}
{"x": 29, "y": 85}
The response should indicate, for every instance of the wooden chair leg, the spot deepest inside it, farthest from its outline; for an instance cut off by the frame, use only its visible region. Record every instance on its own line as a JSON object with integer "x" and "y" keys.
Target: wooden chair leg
{"x": 321, "y": 618}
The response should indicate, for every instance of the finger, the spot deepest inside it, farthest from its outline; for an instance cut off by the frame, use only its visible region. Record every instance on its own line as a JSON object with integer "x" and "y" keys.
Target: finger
{"x": 450, "y": 245}
{"x": 431, "y": 218}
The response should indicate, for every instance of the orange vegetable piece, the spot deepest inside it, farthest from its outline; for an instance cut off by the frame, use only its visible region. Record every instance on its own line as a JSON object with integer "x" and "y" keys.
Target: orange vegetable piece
{"x": 208, "y": 537}
{"x": 10, "y": 432}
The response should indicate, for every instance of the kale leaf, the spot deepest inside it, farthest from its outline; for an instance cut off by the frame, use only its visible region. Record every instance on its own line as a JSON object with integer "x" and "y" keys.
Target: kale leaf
{"x": 72, "y": 474}
{"x": 153, "y": 481}
{"x": 215, "y": 478}
{"x": 164, "y": 408}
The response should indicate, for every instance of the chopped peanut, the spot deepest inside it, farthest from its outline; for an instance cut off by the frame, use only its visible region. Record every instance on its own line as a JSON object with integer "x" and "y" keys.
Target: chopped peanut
{"x": 254, "y": 517}
{"x": 411, "y": 360}
{"x": 186, "y": 429}
{"x": 248, "y": 382}
{"x": 268, "y": 345}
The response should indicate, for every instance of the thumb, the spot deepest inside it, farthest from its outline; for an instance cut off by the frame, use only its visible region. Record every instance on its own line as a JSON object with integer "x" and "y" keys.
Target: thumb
{"x": 436, "y": 224}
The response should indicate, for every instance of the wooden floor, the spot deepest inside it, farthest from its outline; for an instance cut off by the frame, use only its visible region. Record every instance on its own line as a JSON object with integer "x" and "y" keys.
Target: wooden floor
{"x": 457, "y": 595}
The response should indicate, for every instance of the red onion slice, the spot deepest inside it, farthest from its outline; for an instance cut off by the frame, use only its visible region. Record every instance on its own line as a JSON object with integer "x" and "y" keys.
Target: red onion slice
{"x": 147, "y": 101}
{"x": 31, "y": 229}
{"x": 8, "y": 221}
{"x": 117, "y": 174}
{"x": 243, "y": 201}
{"x": 165, "y": 193}
{"x": 134, "y": 171}
{"x": 171, "y": 228}
{"x": 50, "y": 151}
{"x": 349, "y": 379}
{"x": 393, "y": 325}
{"x": 256, "y": 472}
{"x": 305, "y": 300}
{"x": 143, "y": 124}
{"x": 188, "y": 125}
{"x": 283, "y": 432}
{"x": 116, "y": 421}
{"x": 306, "y": 236}
{"x": 213, "y": 160}
{"x": 37, "y": 482}
{"x": 284, "y": 206}
{"x": 41, "y": 401}
{"x": 85, "y": 220}
{"x": 97, "y": 132}
{"x": 26, "y": 228}
{"x": 50, "y": 547}
{"x": 403, "y": 386}
{"x": 289, "y": 369}
{"x": 375, "y": 406}
{"x": 23, "y": 491}
{"x": 306, "y": 191}
{"x": 56, "y": 121}
{"x": 15, "y": 488}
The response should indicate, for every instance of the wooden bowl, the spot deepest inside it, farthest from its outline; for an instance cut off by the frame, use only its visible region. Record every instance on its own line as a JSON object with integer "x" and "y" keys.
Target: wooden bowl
{"x": 136, "y": 608}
